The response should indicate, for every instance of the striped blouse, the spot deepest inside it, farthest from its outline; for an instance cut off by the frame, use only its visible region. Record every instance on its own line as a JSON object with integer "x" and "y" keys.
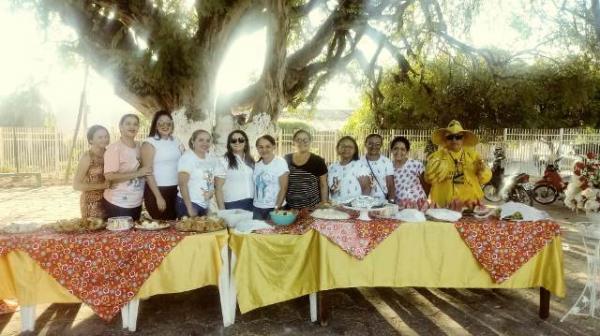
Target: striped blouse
{"x": 303, "y": 185}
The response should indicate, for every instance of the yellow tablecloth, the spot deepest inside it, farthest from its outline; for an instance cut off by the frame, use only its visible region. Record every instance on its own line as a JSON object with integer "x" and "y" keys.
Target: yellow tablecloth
{"x": 276, "y": 268}
{"x": 195, "y": 262}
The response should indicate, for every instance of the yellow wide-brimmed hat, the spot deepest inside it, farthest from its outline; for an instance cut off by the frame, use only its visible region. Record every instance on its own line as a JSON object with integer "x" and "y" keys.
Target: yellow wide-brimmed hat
{"x": 454, "y": 127}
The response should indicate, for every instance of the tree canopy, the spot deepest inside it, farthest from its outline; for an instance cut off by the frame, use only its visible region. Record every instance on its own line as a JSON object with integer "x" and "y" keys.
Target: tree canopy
{"x": 163, "y": 54}
{"x": 540, "y": 95}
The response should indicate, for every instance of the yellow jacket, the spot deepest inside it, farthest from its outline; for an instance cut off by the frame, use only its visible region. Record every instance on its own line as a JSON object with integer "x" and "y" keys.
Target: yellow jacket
{"x": 443, "y": 170}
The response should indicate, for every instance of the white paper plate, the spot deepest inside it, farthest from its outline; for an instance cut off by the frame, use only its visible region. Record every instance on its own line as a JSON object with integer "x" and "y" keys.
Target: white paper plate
{"x": 118, "y": 229}
{"x": 148, "y": 228}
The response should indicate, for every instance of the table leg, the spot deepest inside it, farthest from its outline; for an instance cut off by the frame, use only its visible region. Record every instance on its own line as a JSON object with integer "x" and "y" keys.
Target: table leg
{"x": 133, "y": 313}
{"x": 322, "y": 309}
{"x": 312, "y": 298}
{"x": 27, "y": 318}
{"x": 125, "y": 316}
{"x": 544, "y": 303}
{"x": 232, "y": 288}
{"x": 224, "y": 286}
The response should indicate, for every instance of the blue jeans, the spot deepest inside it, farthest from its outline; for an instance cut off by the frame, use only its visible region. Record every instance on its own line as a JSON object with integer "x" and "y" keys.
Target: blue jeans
{"x": 260, "y": 213}
{"x": 181, "y": 209}
{"x": 244, "y": 204}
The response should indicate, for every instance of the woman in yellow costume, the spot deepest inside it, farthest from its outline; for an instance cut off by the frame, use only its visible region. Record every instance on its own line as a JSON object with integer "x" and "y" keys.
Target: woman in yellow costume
{"x": 456, "y": 171}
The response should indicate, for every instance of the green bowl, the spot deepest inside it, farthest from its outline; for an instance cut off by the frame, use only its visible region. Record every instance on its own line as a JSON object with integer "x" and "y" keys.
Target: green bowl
{"x": 283, "y": 217}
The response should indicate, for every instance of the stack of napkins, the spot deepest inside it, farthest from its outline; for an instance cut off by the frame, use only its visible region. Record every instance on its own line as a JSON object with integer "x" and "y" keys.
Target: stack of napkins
{"x": 444, "y": 215}
{"x": 410, "y": 215}
{"x": 247, "y": 226}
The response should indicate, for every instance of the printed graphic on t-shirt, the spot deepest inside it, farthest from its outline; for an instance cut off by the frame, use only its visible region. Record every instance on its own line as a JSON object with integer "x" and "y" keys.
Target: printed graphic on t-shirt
{"x": 266, "y": 187}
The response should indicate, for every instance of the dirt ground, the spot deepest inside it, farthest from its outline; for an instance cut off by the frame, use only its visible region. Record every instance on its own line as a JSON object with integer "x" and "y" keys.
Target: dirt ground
{"x": 362, "y": 311}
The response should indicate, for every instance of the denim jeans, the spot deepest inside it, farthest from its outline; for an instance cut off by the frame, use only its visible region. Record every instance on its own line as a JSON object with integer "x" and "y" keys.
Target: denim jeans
{"x": 260, "y": 213}
{"x": 112, "y": 210}
{"x": 244, "y": 204}
{"x": 181, "y": 209}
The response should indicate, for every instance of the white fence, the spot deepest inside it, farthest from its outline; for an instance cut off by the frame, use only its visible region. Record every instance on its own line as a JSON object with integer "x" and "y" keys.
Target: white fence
{"x": 46, "y": 150}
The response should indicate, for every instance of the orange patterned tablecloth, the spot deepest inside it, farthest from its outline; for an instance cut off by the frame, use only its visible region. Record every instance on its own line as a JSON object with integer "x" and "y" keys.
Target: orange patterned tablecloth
{"x": 502, "y": 247}
{"x": 103, "y": 269}
{"x": 355, "y": 237}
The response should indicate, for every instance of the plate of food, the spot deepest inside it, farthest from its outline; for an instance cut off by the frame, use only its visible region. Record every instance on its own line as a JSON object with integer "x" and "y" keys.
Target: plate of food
{"x": 122, "y": 223}
{"x": 21, "y": 227}
{"x": 330, "y": 213}
{"x": 201, "y": 224}
{"x": 78, "y": 224}
{"x": 515, "y": 217}
{"x": 150, "y": 225}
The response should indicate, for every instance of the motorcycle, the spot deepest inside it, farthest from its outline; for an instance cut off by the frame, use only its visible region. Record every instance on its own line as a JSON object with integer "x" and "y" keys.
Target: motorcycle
{"x": 492, "y": 189}
{"x": 519, "y": 189}
{"x": 547, "y": 190}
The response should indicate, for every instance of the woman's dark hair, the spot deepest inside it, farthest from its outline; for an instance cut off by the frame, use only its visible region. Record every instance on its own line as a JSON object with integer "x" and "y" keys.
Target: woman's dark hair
{"x": 195, "y": 135}
{"x": 301, "y": 131}
{"x": 230, "y": 157}
{"x": 347, "y": 137}
{"x": 92, "y": 130}
{"x": 402, "y": 139}
{"x": 128, "y": 115}
{"x": 268, "y": 138}
{"x": 372, "y": 135}
{"x": 154, "y": 125}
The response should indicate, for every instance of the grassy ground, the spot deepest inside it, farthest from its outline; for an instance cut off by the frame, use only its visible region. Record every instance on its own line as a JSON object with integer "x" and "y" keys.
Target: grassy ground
{"x": 362, "y": 311}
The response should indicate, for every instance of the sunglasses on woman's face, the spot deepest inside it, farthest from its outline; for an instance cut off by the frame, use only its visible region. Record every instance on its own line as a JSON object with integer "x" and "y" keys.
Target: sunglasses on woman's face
{"x": 454, "y": 137}
{"x": 238, "y": 140}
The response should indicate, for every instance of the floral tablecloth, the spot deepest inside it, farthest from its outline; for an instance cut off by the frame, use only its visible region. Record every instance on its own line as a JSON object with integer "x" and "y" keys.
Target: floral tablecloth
{"x": 103, "y": 269}
{"x": 355, "y": 237}
{"x": 502, "y": 247}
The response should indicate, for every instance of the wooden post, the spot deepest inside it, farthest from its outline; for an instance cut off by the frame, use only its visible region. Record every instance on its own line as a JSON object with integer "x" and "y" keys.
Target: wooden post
{"x": 544, "y": 303}
{"x": 56, "y": 153}
{"x": 15, "y": 148}
{"x": 2, "y": 158}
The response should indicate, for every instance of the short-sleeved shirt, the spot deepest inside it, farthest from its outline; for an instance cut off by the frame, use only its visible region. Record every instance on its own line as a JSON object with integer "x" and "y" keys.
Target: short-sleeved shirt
{"x": 202, "y": 173}
{"x": 407, "y": 182}
{"x": 304, "y": 189}
{"x": 345, "y": 180}
{"x": 167, "y": 153}
{"x": 120, "y": 158}
{"x": 239, "y": 183}
{"x": 379, "y": 170}
{"x": 266, "y": 182}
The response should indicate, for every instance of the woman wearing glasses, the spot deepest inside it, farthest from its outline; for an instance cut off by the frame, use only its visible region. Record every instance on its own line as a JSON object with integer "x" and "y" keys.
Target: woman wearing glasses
{"x": 381, "y": 170}
{"x": 160, "y": 153}
{"x": 196, "y": 171}
{"x": 455, "y": 171}
{"x": 348, "y": 178}
{"x": 235, "y": 189}
{"x": 307, "y": 186}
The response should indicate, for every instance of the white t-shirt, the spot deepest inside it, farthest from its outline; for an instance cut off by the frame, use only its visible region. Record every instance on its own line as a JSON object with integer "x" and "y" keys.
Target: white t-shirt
{"x": 120, "y": 158}
{"x": 202, "y": 174}
{"x": 346, "y": 177}
{"x": 266, "y": 182}
{"x": 239, "y": 183}
{"x": 167, "y": 153}
{"x": 382, "y": 168}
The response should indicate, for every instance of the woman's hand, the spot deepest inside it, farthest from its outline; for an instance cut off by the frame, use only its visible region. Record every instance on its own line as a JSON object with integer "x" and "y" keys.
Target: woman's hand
{"x": 144, "y": 171}
{"x": 161, "y": 204}
{"x": 192, "y": 212}
{"x": 479, "y": 166}
{"x": 208, "y": 195}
